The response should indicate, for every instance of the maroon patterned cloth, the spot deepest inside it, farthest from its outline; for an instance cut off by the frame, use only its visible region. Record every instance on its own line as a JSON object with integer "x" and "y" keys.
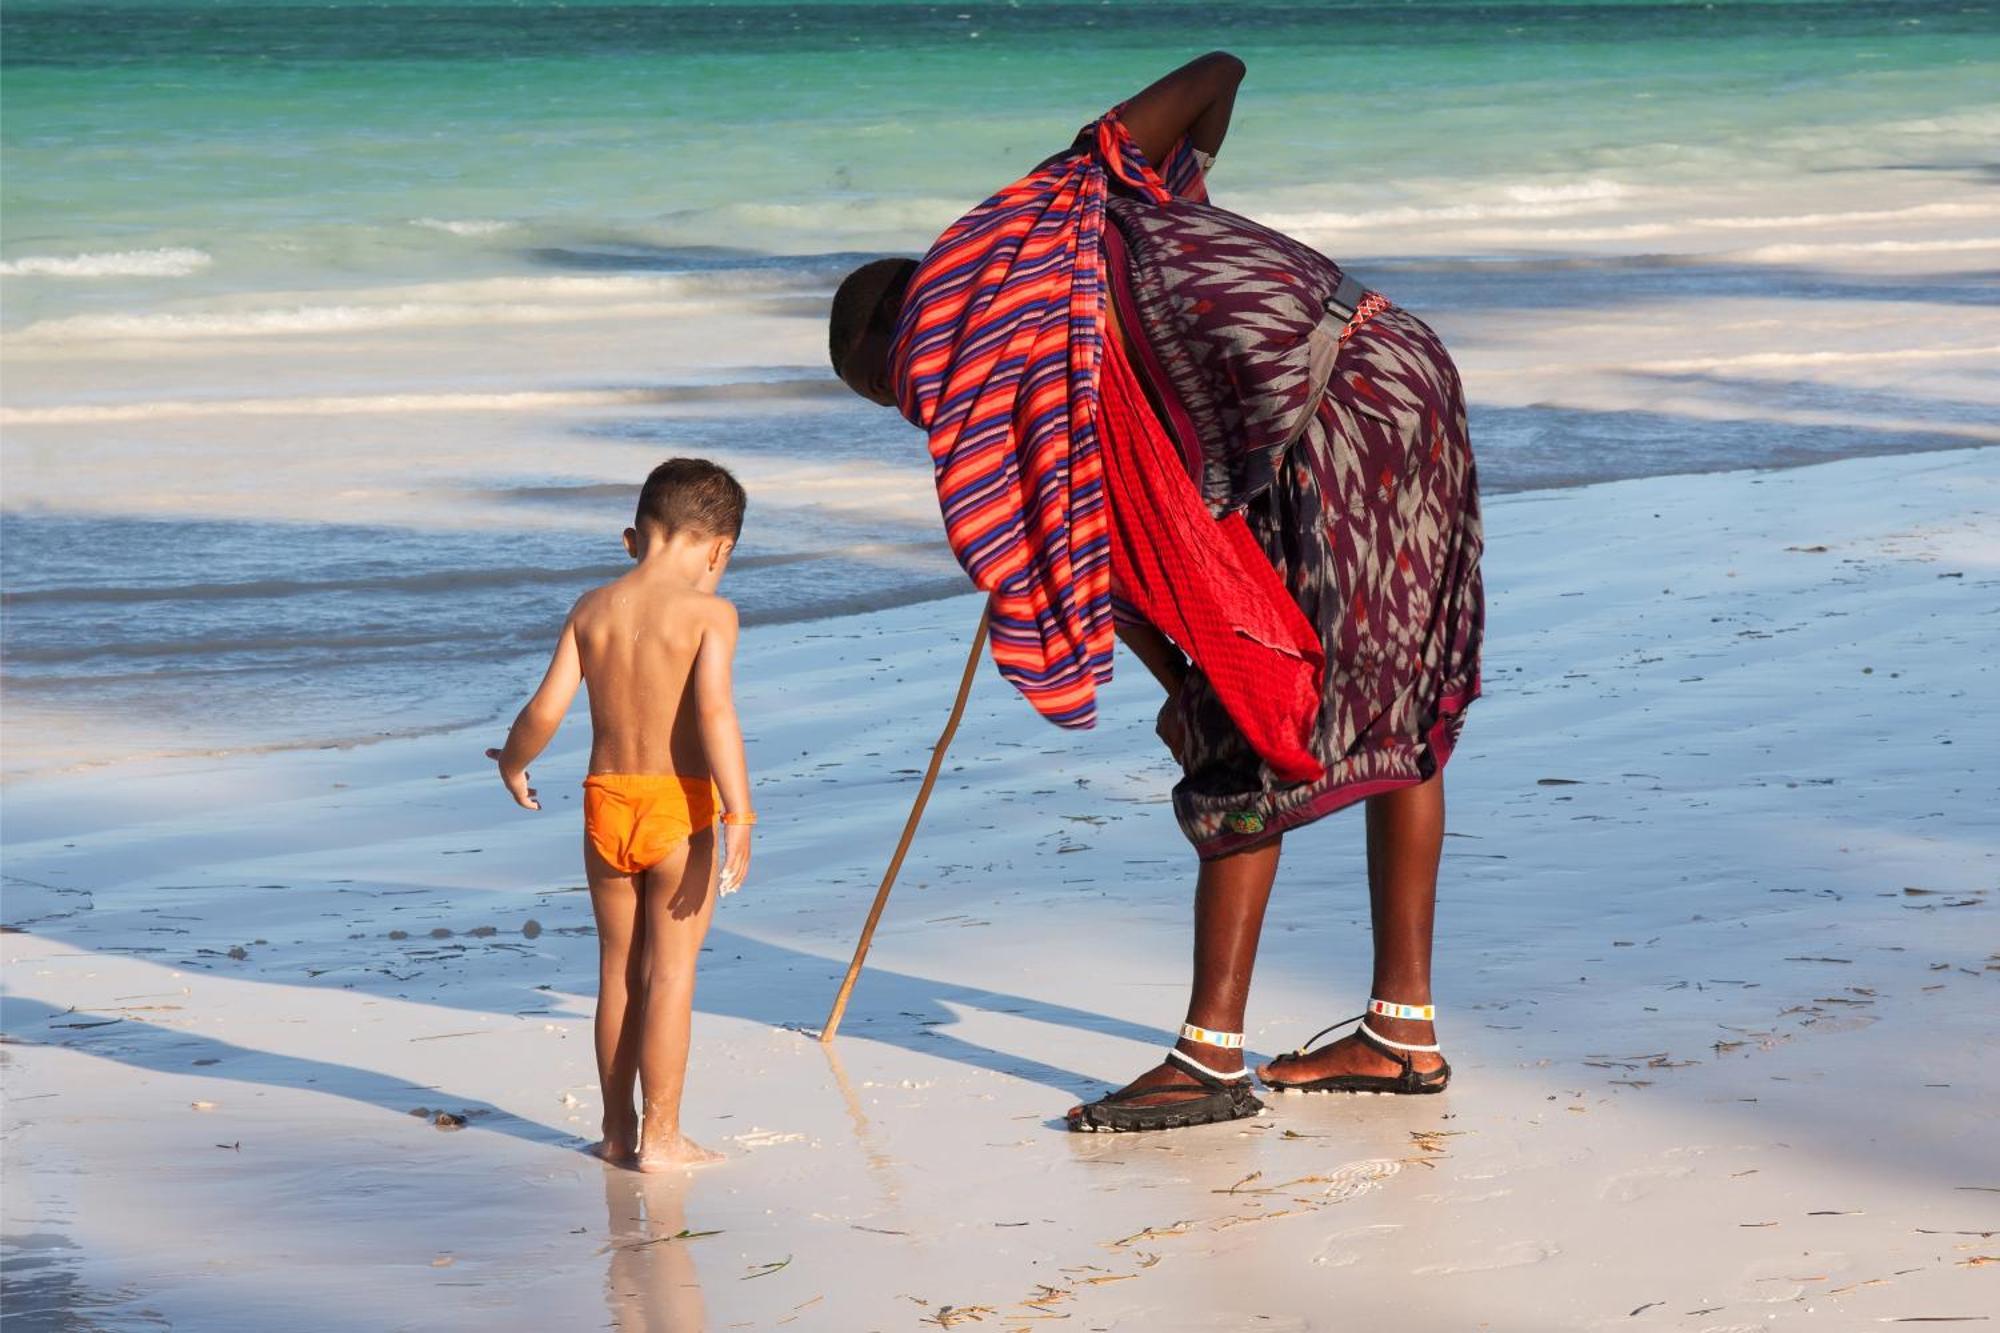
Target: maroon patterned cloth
{"x": 1351, "y": 462}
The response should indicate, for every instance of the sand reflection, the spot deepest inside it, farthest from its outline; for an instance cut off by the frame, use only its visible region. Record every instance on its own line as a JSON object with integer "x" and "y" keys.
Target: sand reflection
{"x": 651, "y": 1284}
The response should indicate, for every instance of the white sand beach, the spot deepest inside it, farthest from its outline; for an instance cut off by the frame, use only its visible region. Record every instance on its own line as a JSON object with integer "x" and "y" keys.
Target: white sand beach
{"x": 1716, "y": 970}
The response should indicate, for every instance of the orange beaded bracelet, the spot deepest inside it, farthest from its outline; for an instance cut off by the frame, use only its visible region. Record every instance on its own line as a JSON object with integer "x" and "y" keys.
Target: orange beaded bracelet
{"x": 733, "y": 817}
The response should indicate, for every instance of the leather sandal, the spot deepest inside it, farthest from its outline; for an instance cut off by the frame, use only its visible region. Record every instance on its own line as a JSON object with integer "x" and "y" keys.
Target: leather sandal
{"x": 1410, "y": 1081}
{"x": 1215, "y": 1098}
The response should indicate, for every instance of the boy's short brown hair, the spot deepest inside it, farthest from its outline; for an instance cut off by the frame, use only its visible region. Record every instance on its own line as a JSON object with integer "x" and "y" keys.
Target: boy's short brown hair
{"x": 694, "y": 495}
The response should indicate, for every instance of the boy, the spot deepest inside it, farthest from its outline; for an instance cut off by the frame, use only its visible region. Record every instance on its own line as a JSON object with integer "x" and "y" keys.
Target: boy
{"x": 655, "y": 646}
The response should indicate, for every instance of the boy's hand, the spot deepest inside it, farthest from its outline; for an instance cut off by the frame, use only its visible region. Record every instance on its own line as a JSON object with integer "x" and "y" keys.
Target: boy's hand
{"x": 516, "y": 783}
{"x": 736, "y": 856}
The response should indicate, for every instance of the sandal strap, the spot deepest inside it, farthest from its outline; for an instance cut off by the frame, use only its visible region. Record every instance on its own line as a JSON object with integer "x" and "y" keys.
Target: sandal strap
{"x": 1411, "y": 1079}
{"x": 1214, "y": 1078}
{"x": 1211, "y": 1081}
{"x": 1421, "y": 1013}
{"x": 1188, "y": 1094}
{"x": 1227, "y": 1041}
{"x": 1305, "y": 1047}
{"x": 1375, "y": 1038}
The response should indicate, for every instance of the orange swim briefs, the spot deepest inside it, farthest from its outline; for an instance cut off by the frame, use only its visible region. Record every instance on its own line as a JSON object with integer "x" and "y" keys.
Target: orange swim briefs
{"x": 635, "y": 820}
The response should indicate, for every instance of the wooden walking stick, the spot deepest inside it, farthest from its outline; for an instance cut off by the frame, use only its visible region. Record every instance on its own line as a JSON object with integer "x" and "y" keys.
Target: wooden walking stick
{"x": 909, "y": 833}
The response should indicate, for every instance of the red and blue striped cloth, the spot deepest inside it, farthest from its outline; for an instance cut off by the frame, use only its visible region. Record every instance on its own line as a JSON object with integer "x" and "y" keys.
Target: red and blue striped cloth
{"x": 996, "y": 356}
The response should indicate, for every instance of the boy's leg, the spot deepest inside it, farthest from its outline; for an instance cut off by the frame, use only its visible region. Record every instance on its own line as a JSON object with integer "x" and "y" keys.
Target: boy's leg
{"x": 1405, "y": 840}
{"x": 679, "y": 900}
{"x": 621, "y": 992}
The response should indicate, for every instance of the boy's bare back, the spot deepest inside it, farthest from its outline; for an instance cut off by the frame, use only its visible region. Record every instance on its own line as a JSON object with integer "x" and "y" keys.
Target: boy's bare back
{"x": 656, "y": 647}
{"x": 639, "y": 642}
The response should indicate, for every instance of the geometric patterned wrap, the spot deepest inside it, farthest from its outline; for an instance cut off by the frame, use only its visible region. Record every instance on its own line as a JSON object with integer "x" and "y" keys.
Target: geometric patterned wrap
{"x": 1234, "y": 310}
{"x": 1373, "y": 520}
{"x": 1370, "y": 514}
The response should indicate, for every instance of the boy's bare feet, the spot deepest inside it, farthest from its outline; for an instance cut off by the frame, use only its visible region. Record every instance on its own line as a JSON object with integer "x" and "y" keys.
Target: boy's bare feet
{"x": 672, "y": 1154}
{"x": 621, "y": 1133}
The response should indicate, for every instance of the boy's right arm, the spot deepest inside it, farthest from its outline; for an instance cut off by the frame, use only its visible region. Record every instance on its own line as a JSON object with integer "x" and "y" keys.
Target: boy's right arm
{"x": 536, "y": 724}
{"x": 722, "y": 738}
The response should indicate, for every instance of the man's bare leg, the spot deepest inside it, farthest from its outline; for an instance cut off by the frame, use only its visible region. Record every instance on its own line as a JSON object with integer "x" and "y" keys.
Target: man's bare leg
{"x": 679, "y": 900}
{"x": 1405, "y": 842}
{"x": 1230, "y": 895}
{"x": 621, "y": 992}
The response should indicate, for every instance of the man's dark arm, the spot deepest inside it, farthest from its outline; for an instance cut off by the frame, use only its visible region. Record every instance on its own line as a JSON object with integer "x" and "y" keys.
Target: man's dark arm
{"x": 1195, "y": 100}
{"x": 1167, "y": 663}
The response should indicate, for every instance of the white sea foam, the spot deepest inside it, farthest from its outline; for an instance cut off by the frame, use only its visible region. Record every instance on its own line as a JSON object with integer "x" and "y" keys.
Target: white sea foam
{"x": 911, "y": 220}
{"x": 537, "y": 300}
{"x": 356, "y": 404}
{"x": 766, "y": 391}
{"x": 1823, "y": 249}
{"x": 319, "y": 319}
{"x": 590, "y": 287}
{"x": 1513, "y": 202}
{"x": 1914, "y": 213}
{"x": 1570, "y": 192}
{"x": 1940, "y": 212}
{"x": 463, "y": 226}
{"x": 169, "y": 262}
{"x": 1797, "y": 360}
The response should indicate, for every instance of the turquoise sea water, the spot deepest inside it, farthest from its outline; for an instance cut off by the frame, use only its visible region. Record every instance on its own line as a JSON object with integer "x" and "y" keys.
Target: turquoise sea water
{"x": 308, "y": 138}
{"x": 218, "y": 175}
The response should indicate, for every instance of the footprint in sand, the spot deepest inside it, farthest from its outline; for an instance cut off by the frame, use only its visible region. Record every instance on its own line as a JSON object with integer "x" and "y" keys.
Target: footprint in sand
{"x": 1357, "y": 1178}
{"x": 1343, "y": 1249}
{"x": 1519, "y": 1254}
{"x": 1634, "y": 1185}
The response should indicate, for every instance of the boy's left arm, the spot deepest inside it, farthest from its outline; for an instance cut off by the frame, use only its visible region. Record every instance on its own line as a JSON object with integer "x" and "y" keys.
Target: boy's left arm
{"x": 536, "y": 724}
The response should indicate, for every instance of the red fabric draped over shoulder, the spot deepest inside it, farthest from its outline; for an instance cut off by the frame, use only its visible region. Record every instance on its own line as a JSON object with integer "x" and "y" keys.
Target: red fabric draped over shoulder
{"x": 1206, "y": 584}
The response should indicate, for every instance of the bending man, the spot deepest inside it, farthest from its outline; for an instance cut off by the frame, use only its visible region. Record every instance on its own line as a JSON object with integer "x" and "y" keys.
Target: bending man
{"x": 1152, "y": 416}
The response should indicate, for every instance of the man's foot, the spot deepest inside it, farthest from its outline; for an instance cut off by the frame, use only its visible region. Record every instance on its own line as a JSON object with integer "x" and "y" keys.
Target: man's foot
{"x": 1173, "y": 1096}
{"x": 612, "y": 1151}
{"x": 1174, "y": 1082}
{"x": 673, "y": 1153}
{"x": 1354, "y": 1057}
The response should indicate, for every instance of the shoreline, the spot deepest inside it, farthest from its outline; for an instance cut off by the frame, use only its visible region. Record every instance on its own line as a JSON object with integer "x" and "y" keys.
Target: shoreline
{"x": 1709, "y": 959}
{"x": 251, "y": 425}
{"x": 860, "y": 604}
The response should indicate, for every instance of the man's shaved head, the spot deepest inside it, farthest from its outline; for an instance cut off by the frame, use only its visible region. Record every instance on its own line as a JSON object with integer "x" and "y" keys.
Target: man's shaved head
{"x": 863, "y": 322}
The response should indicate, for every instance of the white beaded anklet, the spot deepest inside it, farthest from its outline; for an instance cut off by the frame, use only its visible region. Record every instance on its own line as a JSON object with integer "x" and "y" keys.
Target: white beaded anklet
{"x": 1228, "y": 1041}
{"x": 1415, "y": 1013}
